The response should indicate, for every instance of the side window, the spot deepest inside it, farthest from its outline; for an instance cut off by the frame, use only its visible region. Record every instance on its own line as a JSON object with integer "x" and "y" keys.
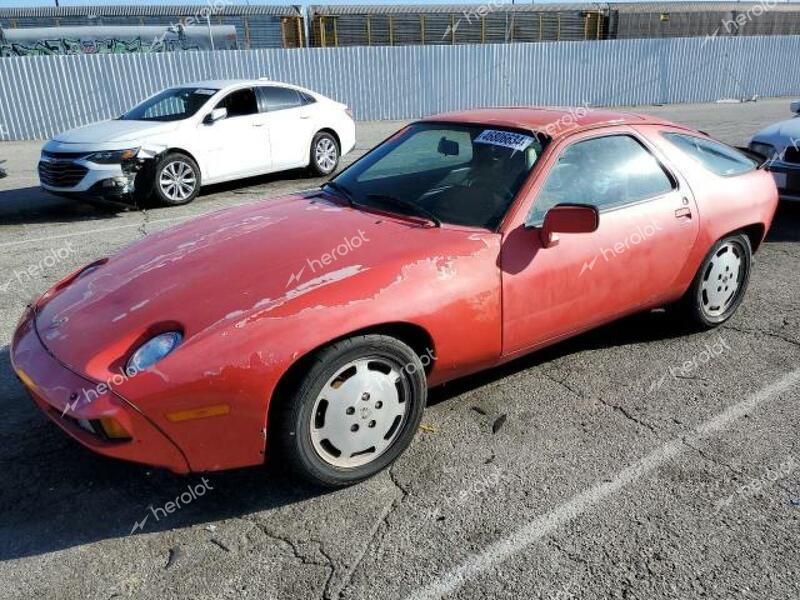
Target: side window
{"x": 279, "y": 98}
{"x": 307, "y": 98}
{"x": 604, "y": 172}
{"x": 714, "y": 156}
{"x": 240, "y": 103}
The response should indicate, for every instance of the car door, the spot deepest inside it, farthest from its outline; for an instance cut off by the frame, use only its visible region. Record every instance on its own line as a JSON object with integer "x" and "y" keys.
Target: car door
{"x": 238, "y": 145}
{"x": 289, "y": 116}
{"x": 647, "y": 227}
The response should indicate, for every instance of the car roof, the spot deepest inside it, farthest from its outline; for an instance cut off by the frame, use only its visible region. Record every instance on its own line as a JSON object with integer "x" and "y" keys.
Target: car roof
{"x": 226, "y": 83}
{"x": 555, "y": 121}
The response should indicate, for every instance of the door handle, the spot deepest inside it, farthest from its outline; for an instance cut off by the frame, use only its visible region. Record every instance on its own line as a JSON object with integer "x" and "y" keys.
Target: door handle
{"x": 305, "y": 116}
{"x": 258, "y": 124}
{"x": 683, "y": 213}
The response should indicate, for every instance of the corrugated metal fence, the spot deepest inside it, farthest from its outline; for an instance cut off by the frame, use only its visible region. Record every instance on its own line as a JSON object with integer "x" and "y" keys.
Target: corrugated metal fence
{"x": 42, "y": 96}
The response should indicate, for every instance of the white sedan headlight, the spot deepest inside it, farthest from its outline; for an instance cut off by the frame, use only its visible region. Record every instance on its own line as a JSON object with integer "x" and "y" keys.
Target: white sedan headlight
{"x": 153, "y": 350}
{"x": 110, "y": 157}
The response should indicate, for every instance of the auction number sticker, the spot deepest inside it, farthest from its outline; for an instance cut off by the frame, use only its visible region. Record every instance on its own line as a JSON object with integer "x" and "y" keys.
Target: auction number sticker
{"x": 205, "y": 92}
{"x": 507, "y": 139}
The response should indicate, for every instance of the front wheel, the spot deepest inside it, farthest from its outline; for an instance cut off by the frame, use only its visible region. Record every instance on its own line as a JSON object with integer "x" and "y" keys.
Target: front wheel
{"x": 719, "y": 286}
{"x": 324, "y": 154}
{"x": 175, "y": 180}
{"x": 355, "y": 411}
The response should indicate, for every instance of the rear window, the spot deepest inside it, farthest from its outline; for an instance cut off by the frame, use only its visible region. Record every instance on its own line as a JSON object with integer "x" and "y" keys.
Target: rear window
{"x": 716, "y": 157}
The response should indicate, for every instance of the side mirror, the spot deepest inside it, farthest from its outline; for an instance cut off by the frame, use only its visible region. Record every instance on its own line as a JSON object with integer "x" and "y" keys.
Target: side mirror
{"x": 795, "y": 107}
{"x": 215, "y": 115}
{"x": 568, "y": 218}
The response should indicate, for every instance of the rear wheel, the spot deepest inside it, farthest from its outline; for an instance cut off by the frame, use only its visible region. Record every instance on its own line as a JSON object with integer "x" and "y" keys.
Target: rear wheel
{"x": 719, "y": 286}
{"x": 355, "y": 411}
{"x": 324, "y": 154}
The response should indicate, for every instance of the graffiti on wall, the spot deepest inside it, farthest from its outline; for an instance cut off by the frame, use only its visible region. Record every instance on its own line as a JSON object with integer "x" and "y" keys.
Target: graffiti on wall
{"x": 55, "y": 41}
{"x": 106, "y": 46}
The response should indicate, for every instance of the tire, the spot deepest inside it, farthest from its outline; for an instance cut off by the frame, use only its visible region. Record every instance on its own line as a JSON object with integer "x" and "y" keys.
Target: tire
{"x": 179, "y": 169}
{"x": 324, "y": 154}
{"x": 720, "y": 284}
{"x": 346, "y": 403}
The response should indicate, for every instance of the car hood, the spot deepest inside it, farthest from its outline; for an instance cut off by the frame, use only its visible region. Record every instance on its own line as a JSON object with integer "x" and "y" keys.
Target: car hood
{"x": 781, "y": 133}
{"x": 114, "y": 131}
{"x": 219, "y": 270}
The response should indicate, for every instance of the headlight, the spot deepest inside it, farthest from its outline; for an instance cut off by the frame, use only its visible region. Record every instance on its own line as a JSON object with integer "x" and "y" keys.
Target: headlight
{"x": 153, "y": 351}
{"x": 765, "y": 150}
{"x": 110, "y": 157}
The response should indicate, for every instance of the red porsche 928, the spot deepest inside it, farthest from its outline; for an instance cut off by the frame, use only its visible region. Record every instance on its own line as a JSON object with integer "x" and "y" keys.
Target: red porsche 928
{"x": 311, "y": 326}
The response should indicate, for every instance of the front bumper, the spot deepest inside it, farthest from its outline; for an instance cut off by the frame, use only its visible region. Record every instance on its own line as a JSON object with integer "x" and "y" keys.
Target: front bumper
{"x": 69, "y": 400}
{"x": 83, "y": 179}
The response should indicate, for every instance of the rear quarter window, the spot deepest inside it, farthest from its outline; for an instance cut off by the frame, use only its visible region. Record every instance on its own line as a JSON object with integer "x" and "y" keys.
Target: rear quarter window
{"x": 718, "y": 158}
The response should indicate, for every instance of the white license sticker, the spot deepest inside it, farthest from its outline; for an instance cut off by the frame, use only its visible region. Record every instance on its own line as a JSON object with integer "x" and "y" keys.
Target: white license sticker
{"x": 507, "y": 139}
{"x": 780, "y": 179}
{"x": 205, "y": 92}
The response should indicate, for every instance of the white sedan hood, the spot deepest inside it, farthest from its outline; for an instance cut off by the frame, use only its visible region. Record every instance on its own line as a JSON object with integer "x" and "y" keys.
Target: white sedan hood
{"x": 115, "y": 131}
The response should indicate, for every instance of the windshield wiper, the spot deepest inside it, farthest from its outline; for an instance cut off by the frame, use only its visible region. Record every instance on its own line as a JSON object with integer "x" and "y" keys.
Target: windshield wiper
{"x": 414, "y": 208}
{"x": 341, "y": 191}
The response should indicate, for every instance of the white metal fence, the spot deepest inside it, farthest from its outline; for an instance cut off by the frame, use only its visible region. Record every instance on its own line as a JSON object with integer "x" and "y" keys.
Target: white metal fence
{"x": 40, "y": 96}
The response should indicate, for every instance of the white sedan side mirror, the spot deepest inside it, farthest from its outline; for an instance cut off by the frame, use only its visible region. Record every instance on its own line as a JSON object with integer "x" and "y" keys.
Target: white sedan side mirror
{"x": 215, "y": 115}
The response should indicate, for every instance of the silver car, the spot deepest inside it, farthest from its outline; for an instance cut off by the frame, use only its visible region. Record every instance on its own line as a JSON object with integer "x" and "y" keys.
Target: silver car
{"x": 779, "y": 145}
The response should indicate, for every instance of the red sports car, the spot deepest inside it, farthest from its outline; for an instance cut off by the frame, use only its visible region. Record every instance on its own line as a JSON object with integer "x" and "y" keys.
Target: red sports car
{"x": 310, "y": 327}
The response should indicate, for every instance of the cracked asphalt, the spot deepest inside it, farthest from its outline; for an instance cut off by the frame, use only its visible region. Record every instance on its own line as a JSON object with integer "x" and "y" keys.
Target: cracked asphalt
{"x": 639, "y": 461}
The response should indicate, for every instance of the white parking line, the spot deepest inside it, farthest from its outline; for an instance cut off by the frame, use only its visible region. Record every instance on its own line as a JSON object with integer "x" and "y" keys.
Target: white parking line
{"x": 92, "y": 231}
{"x": 504, "y": 548}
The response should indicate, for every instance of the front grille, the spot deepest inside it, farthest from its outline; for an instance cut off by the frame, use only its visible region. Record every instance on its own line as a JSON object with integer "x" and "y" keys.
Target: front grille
{"x": 791, "y": 155}
{"x": 62, "y": 173}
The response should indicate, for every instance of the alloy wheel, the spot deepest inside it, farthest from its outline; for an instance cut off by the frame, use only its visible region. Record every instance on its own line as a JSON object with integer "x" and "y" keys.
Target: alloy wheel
{"x": 359, "y": 412}
{"x": 722, "y": 279}
{"x": 177, "y": 181}
{"x": 325, "y": 153}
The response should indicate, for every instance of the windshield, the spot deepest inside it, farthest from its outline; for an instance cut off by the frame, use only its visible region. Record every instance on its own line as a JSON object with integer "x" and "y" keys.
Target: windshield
{"x": 174, "y": 104}
{"x": 458, "y": 174}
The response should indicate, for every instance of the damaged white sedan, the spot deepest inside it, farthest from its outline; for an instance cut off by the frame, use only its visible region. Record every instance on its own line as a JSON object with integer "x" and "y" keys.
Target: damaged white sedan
{"x": 168, "y": 146}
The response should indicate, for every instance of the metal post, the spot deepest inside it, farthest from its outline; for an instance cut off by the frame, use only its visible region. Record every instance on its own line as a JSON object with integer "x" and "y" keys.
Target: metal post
{"x": 210, "y": 37}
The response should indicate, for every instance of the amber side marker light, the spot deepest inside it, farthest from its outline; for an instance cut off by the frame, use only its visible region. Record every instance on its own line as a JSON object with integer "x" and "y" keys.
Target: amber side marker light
{"x": 24, "y": 378}
{"x": 217, "y": 410}
{"x": 113, "y": 429}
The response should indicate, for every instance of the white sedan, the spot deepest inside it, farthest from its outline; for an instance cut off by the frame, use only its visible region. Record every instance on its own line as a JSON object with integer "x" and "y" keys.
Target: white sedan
{"x": 169, "y": 145}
